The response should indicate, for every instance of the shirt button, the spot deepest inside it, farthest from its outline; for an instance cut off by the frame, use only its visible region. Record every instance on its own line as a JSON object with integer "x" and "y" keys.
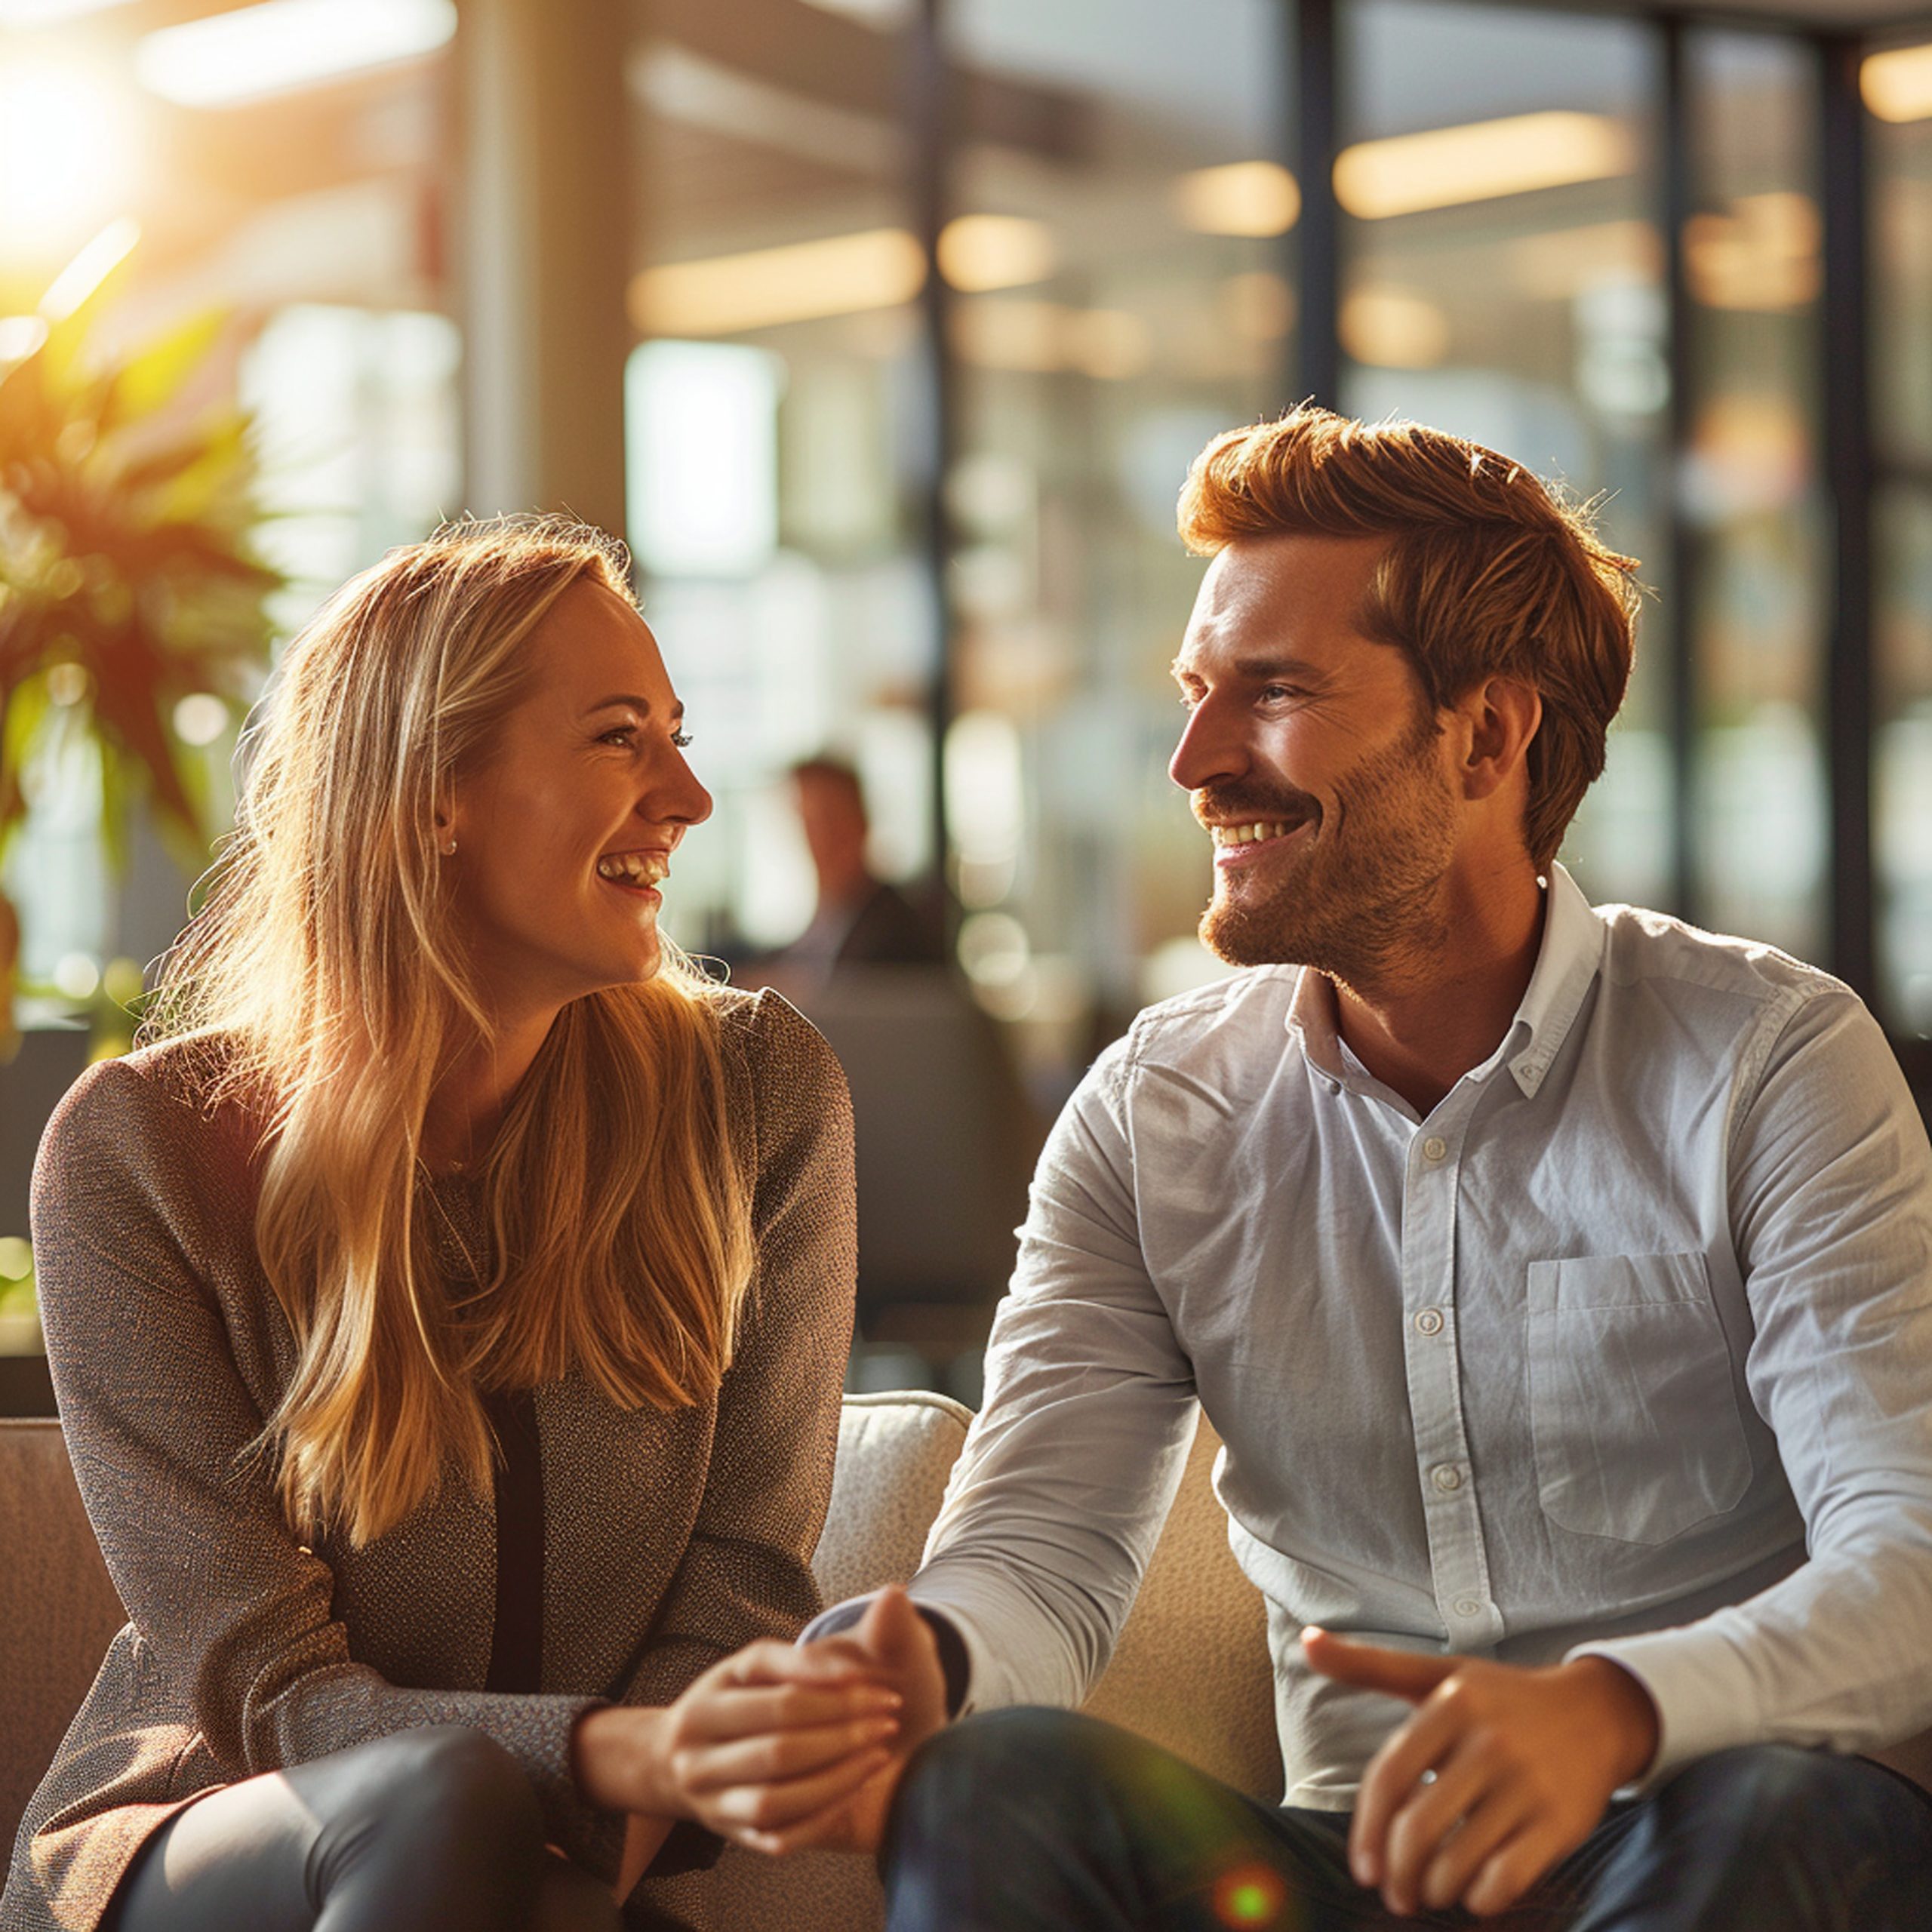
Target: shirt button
{"x": 1446, "y": 1476}
{"x": 1429, "y": 1322}
{"x": 1434, "y": 1147}
{"x": 1467, "y": 1606}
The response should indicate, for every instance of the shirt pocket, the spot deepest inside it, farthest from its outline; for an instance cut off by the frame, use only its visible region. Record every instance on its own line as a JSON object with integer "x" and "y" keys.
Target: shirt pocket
{"x": 1632, "y": 1411}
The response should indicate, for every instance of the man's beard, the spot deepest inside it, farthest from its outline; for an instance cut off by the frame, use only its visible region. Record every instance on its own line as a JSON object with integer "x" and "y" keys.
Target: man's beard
{"x": 1363, "y": 901}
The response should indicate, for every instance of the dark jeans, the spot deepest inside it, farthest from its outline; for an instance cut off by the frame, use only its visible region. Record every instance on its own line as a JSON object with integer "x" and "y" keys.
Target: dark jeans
{"x": 1040, "y": 1821}
{"x": 435, "y": 1830}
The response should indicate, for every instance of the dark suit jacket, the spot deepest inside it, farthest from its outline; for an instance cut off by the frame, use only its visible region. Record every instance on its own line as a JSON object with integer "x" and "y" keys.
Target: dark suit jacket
{"x": 671, "y": 1538}
{"x": 889, "y": 930}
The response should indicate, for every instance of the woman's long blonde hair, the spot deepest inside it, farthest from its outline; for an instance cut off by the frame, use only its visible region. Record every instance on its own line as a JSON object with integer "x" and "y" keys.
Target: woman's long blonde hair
{"x": 324, "y": 964}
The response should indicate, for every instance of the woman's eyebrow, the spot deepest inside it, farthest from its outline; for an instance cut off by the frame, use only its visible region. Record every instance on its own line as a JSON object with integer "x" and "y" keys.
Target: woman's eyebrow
{"x": 622, "y": 700}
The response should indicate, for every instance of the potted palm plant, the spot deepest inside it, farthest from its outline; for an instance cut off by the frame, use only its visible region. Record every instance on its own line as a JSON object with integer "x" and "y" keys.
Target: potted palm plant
{"x": 129, "y": 586}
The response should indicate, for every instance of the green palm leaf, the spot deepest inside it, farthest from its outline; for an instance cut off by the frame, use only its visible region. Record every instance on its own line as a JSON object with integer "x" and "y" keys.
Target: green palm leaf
{"x": 127, "y": 578}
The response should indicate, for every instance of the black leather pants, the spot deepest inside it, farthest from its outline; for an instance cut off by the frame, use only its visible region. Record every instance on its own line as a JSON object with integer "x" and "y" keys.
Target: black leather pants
{"x": 433, "y": 1830}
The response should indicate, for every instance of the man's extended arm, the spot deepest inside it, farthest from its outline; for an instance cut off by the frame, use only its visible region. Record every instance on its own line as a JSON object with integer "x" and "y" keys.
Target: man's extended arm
{"x": 1058, "y": 1498}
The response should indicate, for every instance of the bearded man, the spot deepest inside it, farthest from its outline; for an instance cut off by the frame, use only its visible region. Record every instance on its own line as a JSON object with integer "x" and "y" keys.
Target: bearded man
{"x": 1558, "y": 1279}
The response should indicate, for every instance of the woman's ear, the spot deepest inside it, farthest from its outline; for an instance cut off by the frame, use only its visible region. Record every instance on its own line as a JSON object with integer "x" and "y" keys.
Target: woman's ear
{"x": 1501, "y": 715}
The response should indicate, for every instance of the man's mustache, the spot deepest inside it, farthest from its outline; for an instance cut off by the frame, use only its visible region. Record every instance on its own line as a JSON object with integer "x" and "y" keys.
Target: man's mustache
{"x": 1246, "y": 804}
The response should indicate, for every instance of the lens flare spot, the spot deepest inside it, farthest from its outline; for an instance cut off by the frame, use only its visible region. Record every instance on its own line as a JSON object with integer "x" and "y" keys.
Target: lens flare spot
{"x": 1251, "y": 1895}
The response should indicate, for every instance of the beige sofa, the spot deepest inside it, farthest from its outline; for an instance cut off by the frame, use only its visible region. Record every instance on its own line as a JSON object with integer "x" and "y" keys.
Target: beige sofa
{"x": 1192, "y": 1671}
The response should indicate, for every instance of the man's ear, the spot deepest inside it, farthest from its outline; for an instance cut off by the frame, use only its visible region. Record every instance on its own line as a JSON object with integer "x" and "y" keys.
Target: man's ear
{"x": 1500, "y": 716}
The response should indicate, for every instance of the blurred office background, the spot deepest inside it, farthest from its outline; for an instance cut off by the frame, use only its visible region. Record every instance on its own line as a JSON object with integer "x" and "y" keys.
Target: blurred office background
{"x": 885, "y": 330}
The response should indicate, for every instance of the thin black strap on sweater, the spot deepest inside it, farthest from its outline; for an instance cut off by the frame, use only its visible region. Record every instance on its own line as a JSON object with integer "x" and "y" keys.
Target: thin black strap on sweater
{"x": 516, "y": 1647}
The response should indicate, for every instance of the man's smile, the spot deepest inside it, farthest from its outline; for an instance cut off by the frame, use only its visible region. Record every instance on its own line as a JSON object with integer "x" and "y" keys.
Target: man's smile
{"x": 1242, "y": 845}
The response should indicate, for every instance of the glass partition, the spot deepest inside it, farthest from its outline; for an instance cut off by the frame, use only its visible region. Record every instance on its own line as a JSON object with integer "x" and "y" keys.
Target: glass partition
{"x": 1897, "y": 86}
{"x": 1752, "y": 492}
{"x": 773, "y": 413}
{"x": 1503, "y": 277}
{"x": 1118, "y": 300}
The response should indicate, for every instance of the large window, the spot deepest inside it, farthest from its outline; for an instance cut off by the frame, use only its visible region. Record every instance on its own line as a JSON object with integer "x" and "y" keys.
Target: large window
{"x": 1898, "y": 88}
{"x": 1503, "y": 277}
{"x": 213, "y": 167}
{"x": 1751, "y": 491}
{"x": 1152, "y": 309}
{"x": 929, "y": 528}
{"x": 777, "y": 424}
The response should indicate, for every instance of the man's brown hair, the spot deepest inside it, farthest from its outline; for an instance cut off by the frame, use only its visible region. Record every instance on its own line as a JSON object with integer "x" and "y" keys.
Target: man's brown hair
{"x": 1487, "y": 573}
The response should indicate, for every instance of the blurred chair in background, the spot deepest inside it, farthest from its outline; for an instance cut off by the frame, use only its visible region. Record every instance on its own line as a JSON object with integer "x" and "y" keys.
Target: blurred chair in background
{"x": 946, "y": 1142}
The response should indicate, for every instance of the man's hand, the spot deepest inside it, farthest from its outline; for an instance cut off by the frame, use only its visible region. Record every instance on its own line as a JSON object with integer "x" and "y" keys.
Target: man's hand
{"x": 892, "y": 1645}
{"x": 768, "y": 1738}
{"x": 1501, "y": 1771}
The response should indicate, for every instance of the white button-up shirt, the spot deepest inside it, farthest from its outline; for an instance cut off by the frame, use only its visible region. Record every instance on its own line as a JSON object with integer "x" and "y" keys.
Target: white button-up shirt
{"x": 1588, "y": 1359}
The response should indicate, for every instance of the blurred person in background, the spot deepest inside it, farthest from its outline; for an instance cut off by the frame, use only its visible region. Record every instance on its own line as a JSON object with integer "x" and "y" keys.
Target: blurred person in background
{"x": 1558, "y": 1279}
{"x": 861, "y": 919}
{"x": 448, "y": 1305}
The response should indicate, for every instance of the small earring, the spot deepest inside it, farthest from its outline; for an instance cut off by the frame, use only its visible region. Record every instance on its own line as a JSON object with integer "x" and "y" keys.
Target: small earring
{"x": 449, "y": 850}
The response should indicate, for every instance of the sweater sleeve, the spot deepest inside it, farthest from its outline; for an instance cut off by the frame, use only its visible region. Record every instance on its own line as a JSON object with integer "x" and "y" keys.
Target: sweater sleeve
{"x": 135, "y": 1193}
{"x": 746, "y": 1571}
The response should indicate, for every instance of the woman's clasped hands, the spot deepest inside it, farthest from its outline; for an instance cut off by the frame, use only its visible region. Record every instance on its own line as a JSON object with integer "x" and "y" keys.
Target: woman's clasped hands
{"x": 766, "y": 1749}
{"x": 778, "y": 1747}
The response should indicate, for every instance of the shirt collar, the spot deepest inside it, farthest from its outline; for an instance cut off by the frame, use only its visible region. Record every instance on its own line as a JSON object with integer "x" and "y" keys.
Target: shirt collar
{"x": 1567, "y": 960}
{"x": 1567, "y": 965}
{"x": 1311, "y": 1019}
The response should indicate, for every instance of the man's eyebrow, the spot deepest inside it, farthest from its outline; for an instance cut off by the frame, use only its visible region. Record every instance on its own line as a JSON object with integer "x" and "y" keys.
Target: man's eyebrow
{"x": 621, "y": 700}
{"x": 1258, "y": 670}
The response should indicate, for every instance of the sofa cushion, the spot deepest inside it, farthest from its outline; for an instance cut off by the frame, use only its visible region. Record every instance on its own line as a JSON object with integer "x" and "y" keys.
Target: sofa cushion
{"x": 58, "y": 1611}
{"x": 1191, "y": 1670}
{"x": 895, "y": 1453}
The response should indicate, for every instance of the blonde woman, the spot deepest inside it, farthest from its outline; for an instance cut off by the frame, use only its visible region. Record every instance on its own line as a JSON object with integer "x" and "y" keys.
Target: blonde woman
{"x": 447, "y": 1306}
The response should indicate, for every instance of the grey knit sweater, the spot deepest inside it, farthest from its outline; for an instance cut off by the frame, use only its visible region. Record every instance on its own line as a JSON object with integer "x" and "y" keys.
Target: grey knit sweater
{"x": 670, "y": 1538}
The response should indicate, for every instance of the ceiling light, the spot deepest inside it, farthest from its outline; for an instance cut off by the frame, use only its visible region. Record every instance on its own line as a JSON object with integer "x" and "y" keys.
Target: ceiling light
{"x": 1897, "y": 84}
{"x": 978, "y": 252}
{"x": 1762, "y": 255}
{"x": 46, "y": 13}
{"x": 1388, "y": 328}
{"x": 1480, "y": 161}
{"x": 253, "y": 51}
{"x": 1256, "y": 197}
{"x": 841, "y": 274}
{"x": 1560, "y": 263}
{"x": 1030, "y": 337}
